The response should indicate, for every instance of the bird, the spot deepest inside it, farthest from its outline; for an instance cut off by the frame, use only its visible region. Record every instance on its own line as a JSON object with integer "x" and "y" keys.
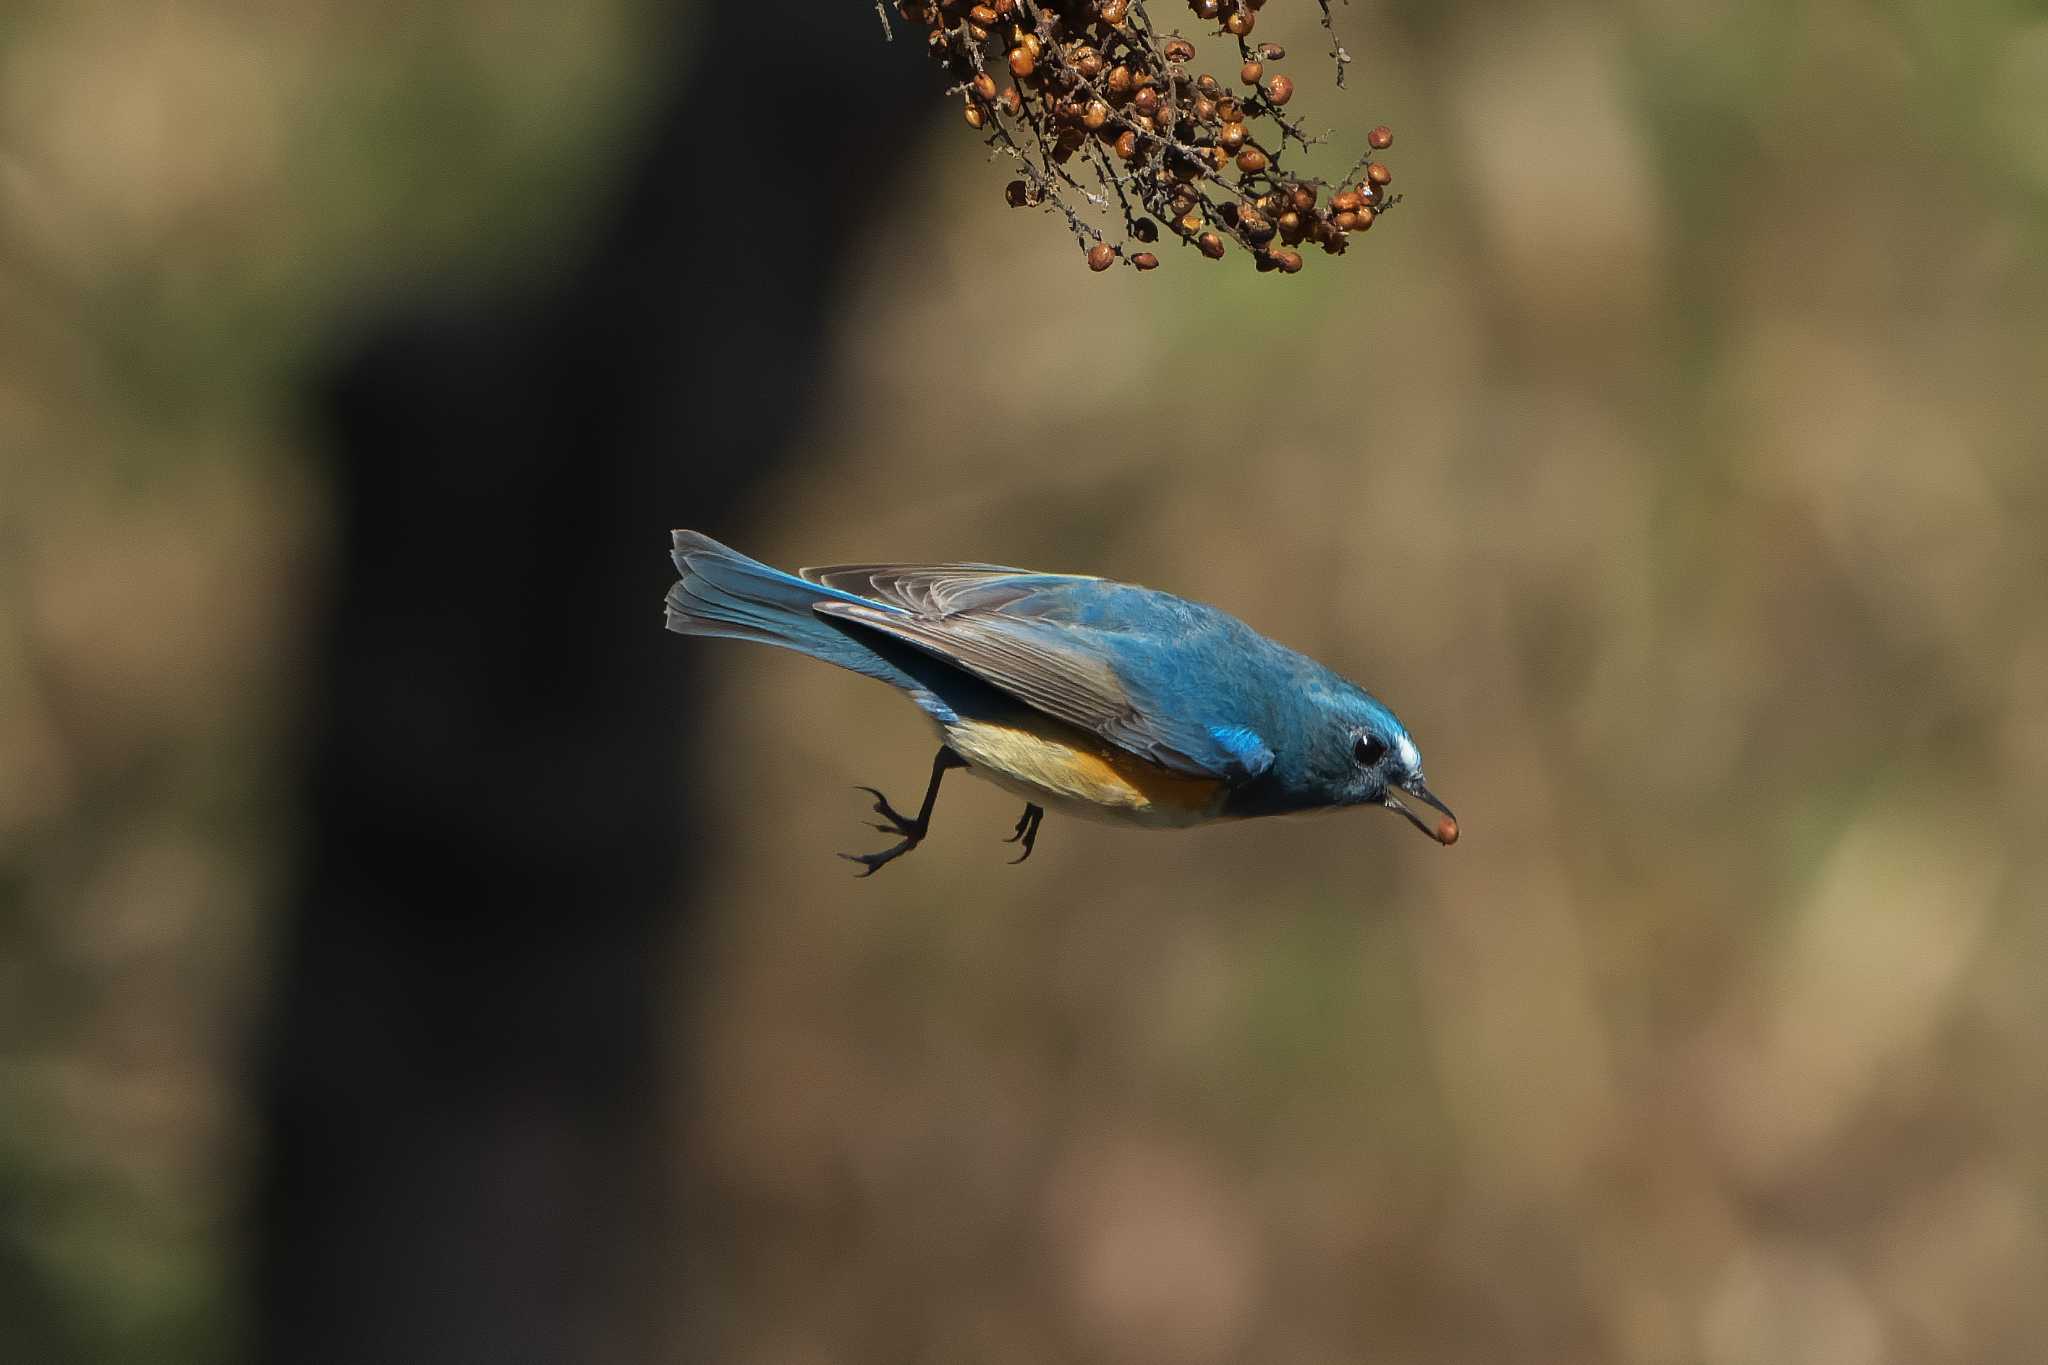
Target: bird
{"x": 1095, "y": 698}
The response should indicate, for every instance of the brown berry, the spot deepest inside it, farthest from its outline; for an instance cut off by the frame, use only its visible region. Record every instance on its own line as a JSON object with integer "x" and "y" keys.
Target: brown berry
{"x": 1249, "y": 74}
{"x": 1021, "y": 62}
{"x": 1101, "y": 256}
{"x": 1378, "y": 174}
{"x": 1208, "y": 86}
{"x": 1089, "y": 64}
{"x": 1288, "y": 261}
{"x": 1119, "y": 81}
{"x": 1179, "y": 50}
{"x": 1127, "y": 144}
{"x": 1232, "y": 137}
{"x": 1206, "y": 9}
{"x": 1094, "y": 115}
{"x": 1365, "y": 217}
{"x": 1017, "y": 193}
{"x": 1211, "y": 245}
{"x": 984, "y": 15}
{"x": 984, "y": 85}
{"x": 1380, "y": 138}
{"x": 1145, "y": 260}
{"x": 1272, "y": 52}
{"x": 1346, "y": 201}
{"x": 975, "y": 117}
{"x": 1280, "y": 89}
{"x": 1240, "y": 23}
{"x": 1146, "y": 101}
{"x": 1145, "y": 230}
{"x": 1251, "y": 161}
{"x": 1012, "y": 102}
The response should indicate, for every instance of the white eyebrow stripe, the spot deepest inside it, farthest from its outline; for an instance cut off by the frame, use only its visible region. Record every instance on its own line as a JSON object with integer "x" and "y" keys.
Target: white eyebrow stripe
{"x": 1406, "y": 748}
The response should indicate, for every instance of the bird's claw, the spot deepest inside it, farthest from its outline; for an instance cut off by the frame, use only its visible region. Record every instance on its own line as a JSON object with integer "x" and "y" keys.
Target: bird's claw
{"x": 899, "y": 823}
{"x": 911, "y": 831}
{"x": 871, "y": 863}
{"x": 1026, "y": 832}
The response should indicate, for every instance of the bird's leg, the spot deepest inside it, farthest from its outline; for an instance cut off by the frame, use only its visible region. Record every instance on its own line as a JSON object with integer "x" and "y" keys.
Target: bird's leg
{"x": 911, "y": 830}
{"x": 1027, "y": 831}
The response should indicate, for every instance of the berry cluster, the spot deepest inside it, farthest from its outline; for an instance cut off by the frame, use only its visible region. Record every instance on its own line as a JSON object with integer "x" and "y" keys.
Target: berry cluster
{"x": 1091, "y": 86}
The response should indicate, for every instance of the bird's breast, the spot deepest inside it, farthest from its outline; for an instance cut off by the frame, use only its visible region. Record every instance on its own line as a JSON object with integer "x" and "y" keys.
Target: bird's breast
{"x": 1073, "y": 771}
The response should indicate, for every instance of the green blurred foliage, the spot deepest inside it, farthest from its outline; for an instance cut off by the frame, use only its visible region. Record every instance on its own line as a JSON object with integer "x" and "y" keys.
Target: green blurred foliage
{"x": 1671, "y": 460}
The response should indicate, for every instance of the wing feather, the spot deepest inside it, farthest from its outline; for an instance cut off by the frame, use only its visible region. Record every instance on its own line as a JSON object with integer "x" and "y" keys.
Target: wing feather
{"x": 1048, "y": 666}
{"x": 936, "y": 589}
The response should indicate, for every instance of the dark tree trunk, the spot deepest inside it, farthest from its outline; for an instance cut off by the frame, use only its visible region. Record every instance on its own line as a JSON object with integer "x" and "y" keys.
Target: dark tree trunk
{"x": 463, "y": 1078}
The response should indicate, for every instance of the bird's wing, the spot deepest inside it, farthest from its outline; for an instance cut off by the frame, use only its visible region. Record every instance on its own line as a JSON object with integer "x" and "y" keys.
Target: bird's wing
{"x": 934, "y": 589}
{"x": 957, "y": 613}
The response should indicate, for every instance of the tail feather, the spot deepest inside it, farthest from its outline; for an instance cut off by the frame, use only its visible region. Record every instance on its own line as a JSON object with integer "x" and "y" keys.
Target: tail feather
{"x": 724, "y": 593}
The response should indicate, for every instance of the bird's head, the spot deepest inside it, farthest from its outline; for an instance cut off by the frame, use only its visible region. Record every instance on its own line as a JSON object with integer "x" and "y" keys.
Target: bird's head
{"x": 1361, "y": 754}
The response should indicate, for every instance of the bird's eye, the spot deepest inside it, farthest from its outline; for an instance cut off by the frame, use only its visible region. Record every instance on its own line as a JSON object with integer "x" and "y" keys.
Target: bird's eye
{"x": 1368, "y": 750}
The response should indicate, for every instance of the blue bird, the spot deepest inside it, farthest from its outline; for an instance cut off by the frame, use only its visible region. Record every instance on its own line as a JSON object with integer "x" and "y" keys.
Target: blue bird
{"x": 1097, "y": 698}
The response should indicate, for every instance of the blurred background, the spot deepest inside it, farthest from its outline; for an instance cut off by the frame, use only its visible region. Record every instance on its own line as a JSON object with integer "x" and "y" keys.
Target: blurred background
{"x": 408, "y": 951}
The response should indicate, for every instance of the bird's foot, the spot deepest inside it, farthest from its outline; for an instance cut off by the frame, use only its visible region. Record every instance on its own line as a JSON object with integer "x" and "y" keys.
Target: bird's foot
{"x": 913, "y": 832}
{"x": 899, "y": 823}
{"x": 872, "y": 863}
{"x": 1026, "y": 832}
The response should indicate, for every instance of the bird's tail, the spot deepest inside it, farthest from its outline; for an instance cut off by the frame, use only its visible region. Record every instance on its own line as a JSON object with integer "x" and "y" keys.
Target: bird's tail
{"x": 724, "y": 593}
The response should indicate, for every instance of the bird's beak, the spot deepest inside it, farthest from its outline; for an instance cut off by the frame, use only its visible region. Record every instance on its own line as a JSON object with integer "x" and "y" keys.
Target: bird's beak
{"x": 1444, "y": 831}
